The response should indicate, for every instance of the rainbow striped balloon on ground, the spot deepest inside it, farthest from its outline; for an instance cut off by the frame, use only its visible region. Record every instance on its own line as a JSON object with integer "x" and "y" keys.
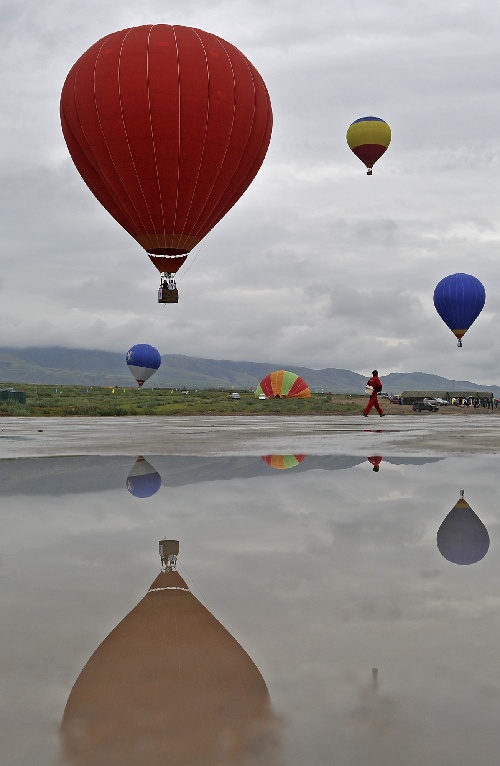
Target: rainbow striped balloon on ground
{"x": 369, "y": 138}
{"x": 283, "y": 384}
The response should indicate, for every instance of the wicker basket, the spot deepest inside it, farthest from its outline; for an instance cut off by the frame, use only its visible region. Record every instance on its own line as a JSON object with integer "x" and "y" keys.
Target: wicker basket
{"x": 168, "y": 296}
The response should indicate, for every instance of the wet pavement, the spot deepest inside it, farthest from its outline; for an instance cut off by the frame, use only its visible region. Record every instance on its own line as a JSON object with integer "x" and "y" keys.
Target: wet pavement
{"x": 427, "y": 434}
{"x": 360, "y": 587}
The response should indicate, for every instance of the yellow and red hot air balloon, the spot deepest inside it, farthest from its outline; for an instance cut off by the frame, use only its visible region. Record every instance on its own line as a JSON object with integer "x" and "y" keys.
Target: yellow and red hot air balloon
{"x": 283, "y": 384}
{"x": 368, "y": 138}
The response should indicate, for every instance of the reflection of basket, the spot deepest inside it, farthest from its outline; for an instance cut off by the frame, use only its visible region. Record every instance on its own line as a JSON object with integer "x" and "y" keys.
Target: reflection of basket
{"x": 369, "y": 390}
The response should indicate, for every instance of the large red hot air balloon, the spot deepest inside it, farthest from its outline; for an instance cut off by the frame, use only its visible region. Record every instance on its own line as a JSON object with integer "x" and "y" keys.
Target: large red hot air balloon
{"x": 168, "y": 126}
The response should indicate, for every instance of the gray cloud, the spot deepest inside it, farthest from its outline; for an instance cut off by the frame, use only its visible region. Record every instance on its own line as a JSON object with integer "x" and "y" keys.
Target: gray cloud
{"x": 317, "y": 263}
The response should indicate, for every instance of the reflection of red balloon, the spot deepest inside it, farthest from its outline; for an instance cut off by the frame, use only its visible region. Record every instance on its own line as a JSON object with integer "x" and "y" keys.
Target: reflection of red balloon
{"x": 169, "y": 685}
{"x": 167, "y": 125}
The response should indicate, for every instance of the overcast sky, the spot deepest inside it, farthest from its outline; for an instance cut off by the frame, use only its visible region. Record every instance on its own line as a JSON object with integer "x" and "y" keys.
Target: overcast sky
{"x": 317, "y": 264}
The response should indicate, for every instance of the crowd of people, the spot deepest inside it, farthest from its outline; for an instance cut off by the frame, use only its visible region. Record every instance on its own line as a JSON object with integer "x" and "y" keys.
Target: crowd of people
{"x": 486, "y": 402}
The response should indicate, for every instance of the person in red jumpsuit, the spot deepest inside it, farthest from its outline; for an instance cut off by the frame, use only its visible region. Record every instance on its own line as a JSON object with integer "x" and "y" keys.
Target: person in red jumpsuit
{"x": 375, "y": 383}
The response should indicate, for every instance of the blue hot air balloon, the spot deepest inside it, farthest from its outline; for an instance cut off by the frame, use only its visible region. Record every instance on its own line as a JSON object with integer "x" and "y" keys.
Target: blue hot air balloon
{"x": 459, "y": 299}
{"x": 143, "y": 360}
{"x": 462, "y": 538}
{"x": 143, "y": 480}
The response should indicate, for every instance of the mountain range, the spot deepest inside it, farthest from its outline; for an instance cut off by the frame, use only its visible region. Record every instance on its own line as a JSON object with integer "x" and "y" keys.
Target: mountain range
{"x": 66, "y": 366}
{"x": 99, "y": 473}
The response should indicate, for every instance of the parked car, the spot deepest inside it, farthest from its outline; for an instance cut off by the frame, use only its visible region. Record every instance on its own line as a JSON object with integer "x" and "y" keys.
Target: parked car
{"x": 262, "y": 396}
{"x": 234, "y": 395}
{"x": 384, "y": 396}
{"x": 395, "y": 399}
{"x": 425, "y": 405}
{"x": 436, "y": 400}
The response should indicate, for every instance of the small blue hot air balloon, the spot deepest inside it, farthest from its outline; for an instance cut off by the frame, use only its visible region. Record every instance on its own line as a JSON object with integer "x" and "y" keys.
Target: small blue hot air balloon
{"x": 143, "y": 480}
{"x": 143, "y": 360}
{"x": 462, "y": 538}
{"x": 459, "y": 299}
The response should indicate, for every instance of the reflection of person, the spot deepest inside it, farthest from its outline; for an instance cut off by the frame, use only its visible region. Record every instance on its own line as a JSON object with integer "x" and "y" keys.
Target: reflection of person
{"x": 375, "y": 460}
{"x": 376, "y": 384}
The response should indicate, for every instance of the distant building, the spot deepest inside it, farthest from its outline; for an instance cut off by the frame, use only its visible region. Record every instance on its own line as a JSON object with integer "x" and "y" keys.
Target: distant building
{"x": 11, "y": 395}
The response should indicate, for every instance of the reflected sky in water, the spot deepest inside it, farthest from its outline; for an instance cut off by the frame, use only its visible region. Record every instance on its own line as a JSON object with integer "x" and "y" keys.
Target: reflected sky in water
{"x": 322, "y": 571}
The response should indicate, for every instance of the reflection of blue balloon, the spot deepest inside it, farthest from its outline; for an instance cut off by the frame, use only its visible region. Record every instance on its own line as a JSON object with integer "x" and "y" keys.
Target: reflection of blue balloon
{"x": 459, "y": 299}
{"x": 462, "y": 538}
{"x": 143, "y": 480}
{"x": 143, "y": 360}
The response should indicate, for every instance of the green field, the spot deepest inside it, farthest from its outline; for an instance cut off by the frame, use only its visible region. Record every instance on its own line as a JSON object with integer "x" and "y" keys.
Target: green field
{"x": 66, "y": 401}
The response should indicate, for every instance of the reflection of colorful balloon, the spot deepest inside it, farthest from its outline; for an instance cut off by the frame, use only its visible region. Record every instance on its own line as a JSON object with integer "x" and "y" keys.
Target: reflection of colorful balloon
{"x": 143, "y": 480}
{"x": 459, "y": 299}
{"x": 283, "y": 461}
{"x": 462, "y": 538}
{"x": 283, "y": 384}
{"x": 168, "y": 685}
{"x": 143, "y": 360}
{"x": 168, "y": 126}
{"x": 369, "y": 138}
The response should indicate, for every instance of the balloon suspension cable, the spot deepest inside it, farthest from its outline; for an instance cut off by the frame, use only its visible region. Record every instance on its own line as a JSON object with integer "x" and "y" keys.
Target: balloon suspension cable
{"x": 459, "y": 344}
{"x": 190, "y": 262}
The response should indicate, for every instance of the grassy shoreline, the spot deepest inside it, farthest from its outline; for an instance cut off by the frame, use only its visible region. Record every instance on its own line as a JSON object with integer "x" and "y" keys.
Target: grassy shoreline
{"x": 117, "y": 401}
{"x": 96, "y": 401}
